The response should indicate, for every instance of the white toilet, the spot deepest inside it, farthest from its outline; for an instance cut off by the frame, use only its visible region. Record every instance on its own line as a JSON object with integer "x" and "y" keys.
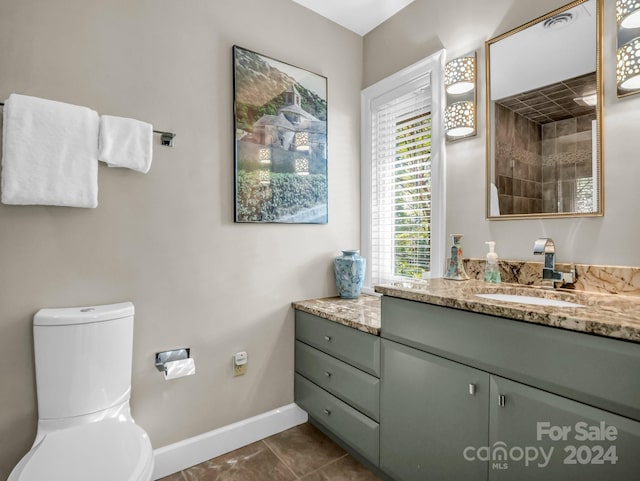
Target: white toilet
{"x": 83, "y": 380}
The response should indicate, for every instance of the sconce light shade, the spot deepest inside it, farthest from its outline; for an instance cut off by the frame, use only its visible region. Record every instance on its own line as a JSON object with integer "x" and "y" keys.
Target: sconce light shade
{"x": 628, "y": 65}
{"x": 459, "y": 119}
{"x": 302, "y": 166}
{"x": 460, "y": 75}
{"x": 302, "y": 140}
{"x": 628, "y": 13}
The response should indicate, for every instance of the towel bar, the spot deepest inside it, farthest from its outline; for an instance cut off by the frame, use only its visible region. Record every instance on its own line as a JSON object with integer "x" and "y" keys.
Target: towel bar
{"x": 166, "y": 138}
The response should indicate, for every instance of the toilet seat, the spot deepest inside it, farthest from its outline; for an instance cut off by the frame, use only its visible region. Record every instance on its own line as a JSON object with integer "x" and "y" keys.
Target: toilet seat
{"x": 108, "y": 450}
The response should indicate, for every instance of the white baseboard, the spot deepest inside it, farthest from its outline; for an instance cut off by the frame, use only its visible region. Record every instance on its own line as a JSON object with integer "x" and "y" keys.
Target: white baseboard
{"x": 189, "y": 452}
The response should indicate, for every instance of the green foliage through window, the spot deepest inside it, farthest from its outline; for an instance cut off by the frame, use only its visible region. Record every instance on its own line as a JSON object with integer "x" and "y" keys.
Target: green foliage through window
{"x": 412, "y": 196}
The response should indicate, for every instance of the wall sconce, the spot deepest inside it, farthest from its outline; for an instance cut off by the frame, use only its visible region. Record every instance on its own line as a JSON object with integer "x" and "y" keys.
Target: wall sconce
{"x": 460, "y": 75}
{"x": 460, "y": 86}
{"x": 301, "y": 141}
{"x": 628, "y": 66}
{"x": 628, "y": 13}
{"x": 628, "y": 54}
{"x": 459, "y": 119}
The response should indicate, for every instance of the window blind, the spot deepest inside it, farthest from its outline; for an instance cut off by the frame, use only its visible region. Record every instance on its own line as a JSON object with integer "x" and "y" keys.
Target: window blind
{"x": 401, "y": 186}
{"x": 584, "y": 195}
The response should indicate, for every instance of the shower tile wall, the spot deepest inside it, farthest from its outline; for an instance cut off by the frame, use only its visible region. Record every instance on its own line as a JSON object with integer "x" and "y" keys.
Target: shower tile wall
{"x": 518, "y": 163}
{"x": 566, "y": 158}
{"x": 538, "y": 167}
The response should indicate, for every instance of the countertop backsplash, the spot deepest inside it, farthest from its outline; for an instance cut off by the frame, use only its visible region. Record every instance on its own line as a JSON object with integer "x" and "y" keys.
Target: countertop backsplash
{"x": 589, "y": 278}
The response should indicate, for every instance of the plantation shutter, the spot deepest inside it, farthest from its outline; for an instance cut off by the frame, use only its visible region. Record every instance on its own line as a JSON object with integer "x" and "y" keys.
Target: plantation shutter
{"x": 401, "y": 186}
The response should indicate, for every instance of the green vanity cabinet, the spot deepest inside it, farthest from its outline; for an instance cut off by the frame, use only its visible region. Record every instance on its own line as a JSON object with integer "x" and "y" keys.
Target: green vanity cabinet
{"x": 354, "y": 347}
{"x": 337, "y": 381}
{"x": 432, "y": 408}
{"x": 477, "y": 397}
{"x": 559, "y": 438}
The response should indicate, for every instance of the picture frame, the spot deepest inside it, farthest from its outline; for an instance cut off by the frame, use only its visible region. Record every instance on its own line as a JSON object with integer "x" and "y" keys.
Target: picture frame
{"x": 280, "y": 135}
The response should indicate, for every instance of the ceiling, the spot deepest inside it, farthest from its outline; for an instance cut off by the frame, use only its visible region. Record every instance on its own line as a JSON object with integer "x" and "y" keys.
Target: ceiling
{"x": 554, "y": 102}
{"x": 359, "y": 16}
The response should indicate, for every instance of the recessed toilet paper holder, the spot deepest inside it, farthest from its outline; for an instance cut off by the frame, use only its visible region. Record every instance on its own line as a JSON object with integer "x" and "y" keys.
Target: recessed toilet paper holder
{"x": 174, "y": 355}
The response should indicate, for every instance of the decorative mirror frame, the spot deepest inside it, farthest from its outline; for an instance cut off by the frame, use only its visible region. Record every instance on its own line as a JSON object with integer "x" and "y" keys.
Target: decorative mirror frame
{"x": 599, "y": 116}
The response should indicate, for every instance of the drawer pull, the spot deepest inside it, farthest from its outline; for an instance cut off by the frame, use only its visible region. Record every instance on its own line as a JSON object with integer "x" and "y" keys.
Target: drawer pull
{"x": 472, "y": 389}
{"x": 327, "y": 373}
{"x": 327, "y": 338}
{"x": 502, "y": 400}
{"x": 327, "y": 412}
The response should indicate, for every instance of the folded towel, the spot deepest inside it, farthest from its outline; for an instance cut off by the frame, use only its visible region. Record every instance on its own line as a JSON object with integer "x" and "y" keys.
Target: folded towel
{"x": 126, "y": 143}
{"x": 495, "y": 202}
{"x": 49, "y": 153}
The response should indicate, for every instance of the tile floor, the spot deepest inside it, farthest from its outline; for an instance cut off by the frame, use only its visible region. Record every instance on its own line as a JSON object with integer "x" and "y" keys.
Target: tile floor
{"x": 301, "y": 453}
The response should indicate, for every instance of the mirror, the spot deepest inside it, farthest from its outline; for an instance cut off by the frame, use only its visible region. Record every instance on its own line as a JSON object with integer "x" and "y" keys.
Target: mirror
{"x": 544, "y": 116}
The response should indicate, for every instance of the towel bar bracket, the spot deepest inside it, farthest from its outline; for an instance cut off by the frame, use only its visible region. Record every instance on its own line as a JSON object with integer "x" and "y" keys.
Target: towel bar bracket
{"x": 166, "y": 138}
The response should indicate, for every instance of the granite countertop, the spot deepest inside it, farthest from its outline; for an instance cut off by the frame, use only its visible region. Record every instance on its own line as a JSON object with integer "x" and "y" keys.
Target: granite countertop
{"x": 362, "y": 313}
{"x": 610, "y": 315}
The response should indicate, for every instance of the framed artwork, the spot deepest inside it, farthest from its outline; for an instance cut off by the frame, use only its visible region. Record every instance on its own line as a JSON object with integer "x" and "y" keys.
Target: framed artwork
{"x": 280, "y": 119}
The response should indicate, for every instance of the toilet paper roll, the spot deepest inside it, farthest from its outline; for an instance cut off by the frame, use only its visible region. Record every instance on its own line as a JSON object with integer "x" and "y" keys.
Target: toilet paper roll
{"x": 181, "y": 368}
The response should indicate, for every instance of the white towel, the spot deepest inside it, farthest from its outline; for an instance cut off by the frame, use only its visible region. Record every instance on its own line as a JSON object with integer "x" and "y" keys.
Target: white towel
{"x": 49, "y": 153}
{"x": 495, "y": 201}
{"x": 126, "y": 143}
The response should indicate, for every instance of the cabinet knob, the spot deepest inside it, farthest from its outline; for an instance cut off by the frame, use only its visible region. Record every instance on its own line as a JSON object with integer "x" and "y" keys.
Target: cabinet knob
{"x": 327, "y": 338}
{"x": 327, "y": 373}
{"x": 327, "y": 412}
{"x": 502, "y": 400}
{"x": 472, "y": 389}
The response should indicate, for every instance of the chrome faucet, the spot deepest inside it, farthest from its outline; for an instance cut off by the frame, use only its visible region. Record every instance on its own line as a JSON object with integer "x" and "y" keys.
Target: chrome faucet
{"x": 549, "y": 274}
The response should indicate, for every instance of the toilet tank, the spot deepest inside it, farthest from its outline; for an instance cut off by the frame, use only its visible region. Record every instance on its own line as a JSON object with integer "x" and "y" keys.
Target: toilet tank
{"x": 83, "y": 359}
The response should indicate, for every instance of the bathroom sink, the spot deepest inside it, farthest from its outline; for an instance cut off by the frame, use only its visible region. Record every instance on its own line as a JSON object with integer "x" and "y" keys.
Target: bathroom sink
{"x": 537, "y": 301}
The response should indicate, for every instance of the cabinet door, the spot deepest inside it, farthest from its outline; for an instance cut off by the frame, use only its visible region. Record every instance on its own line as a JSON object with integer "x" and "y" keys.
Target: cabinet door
{"x": 536, "y": 435}
{"x": 431, "y": 409}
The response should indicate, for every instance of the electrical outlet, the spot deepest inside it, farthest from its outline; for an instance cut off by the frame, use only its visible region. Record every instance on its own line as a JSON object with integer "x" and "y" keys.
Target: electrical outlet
{"x": 240, "y": 361}
{"x": 239, "y": 370}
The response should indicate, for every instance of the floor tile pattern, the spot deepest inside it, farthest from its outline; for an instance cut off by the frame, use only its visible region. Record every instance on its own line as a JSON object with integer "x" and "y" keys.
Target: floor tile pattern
{"x": 301, "y": 453}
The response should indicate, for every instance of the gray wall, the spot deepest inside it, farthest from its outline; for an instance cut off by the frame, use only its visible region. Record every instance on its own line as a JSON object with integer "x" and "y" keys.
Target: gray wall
{"x": 460, "y": 26}
{"x": 166, "y": 240}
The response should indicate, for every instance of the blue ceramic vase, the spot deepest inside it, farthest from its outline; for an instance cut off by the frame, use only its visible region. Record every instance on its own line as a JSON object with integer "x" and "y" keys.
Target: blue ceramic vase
{"x": 349, "y": 269}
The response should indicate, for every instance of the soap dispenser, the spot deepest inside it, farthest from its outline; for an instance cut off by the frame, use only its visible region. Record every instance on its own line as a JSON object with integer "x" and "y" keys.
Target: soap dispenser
{"x": 491, "y": 270}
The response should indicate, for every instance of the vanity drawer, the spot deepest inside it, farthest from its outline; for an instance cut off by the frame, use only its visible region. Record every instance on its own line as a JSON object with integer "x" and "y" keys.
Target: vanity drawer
{"x": 353, "y": 386}
{"x": 351, "y": 426}
{"x": 357, "y": 348}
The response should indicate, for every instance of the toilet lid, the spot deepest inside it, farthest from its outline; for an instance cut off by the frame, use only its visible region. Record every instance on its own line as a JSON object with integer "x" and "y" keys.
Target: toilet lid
{"x": 108, "y": 450}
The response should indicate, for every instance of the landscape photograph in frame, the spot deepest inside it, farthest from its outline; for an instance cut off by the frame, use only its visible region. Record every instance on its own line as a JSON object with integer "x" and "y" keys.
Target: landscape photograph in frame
{"x": 280, "y": 119}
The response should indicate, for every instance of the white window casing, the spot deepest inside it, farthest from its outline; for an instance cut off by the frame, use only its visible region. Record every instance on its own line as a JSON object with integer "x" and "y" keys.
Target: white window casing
{"x": 403, "y": 174}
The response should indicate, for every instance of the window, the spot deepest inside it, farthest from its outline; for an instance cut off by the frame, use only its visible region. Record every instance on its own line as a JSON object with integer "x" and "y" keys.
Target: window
{"x": 584, "y": 195}
{"x": 403, "y": 175}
